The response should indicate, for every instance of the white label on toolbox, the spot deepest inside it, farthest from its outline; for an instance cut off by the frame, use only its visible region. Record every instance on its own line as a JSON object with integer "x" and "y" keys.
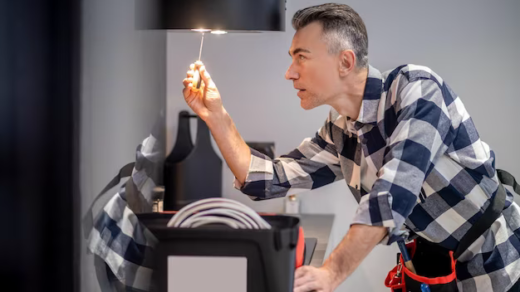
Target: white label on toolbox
{"x": 203, "y": 274}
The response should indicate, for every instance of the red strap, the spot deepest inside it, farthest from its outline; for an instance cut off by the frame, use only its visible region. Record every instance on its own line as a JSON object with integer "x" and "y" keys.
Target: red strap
{"x": 300, "y": 248}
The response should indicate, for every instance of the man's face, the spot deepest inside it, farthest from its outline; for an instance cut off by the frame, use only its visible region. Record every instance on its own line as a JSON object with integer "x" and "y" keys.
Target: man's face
{"x": 313, "y": 70}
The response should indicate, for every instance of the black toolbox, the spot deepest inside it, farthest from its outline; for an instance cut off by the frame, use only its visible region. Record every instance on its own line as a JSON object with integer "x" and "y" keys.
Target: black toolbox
{"x": 270, "y": 253}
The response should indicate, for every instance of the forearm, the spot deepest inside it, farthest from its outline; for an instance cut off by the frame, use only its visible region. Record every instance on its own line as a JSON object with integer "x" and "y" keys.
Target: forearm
{"x": 233, "y": 148}
{"x": 351, "y": 251}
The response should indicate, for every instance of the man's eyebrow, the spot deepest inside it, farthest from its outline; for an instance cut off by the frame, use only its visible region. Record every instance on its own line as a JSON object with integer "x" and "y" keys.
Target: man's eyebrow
{"x": 298, "y": 50}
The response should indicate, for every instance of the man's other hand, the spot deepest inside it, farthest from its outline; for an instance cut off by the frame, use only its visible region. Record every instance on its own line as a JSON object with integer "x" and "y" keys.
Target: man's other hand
{"x": 308, "y": 278}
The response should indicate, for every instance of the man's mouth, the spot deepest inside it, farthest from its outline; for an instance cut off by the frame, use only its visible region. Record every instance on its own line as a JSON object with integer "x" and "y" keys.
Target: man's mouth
{"x": 300, "y": 91}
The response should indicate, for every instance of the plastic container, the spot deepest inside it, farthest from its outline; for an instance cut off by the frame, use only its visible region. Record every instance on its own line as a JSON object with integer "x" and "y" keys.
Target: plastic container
{"x": 270, "y": 253}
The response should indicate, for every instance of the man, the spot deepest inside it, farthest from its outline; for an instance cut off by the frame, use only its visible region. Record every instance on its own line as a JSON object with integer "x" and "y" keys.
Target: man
{"x": 403, "y": 142}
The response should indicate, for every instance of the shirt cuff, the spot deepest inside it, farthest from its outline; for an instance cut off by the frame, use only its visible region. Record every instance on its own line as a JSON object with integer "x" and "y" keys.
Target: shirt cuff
{"x": 260, "y": 170}
{"x": 375, "y": 209}
{"x": 237, "y": 185}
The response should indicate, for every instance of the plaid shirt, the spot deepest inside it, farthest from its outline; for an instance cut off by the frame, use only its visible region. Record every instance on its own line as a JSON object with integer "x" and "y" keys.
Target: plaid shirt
{"x": 414, "y": 161}
{"x": 117, "y": 237}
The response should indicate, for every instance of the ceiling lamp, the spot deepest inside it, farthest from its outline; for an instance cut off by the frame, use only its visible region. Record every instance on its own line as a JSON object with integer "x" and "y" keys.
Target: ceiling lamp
{"x": 217, "y": 16}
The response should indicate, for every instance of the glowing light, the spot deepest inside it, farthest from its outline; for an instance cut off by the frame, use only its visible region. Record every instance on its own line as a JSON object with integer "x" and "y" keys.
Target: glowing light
{"x": 218, "y": 31}
{"x": 201, "y": 29}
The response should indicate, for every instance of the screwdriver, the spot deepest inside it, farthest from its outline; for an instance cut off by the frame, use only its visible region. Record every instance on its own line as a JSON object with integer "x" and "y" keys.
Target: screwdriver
{"x": 197, "y": 81}
{"x": 406, "y": 257}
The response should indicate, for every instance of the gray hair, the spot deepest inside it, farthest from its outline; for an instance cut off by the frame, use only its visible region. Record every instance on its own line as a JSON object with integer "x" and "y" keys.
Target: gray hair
{"x": 343, "y": 28}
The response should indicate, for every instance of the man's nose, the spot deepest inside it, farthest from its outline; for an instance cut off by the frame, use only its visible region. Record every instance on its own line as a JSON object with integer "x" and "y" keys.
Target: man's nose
{"x": 291, "y": 74}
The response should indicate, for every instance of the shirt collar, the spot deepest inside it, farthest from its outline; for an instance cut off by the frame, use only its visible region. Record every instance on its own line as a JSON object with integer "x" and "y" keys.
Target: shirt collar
{"x": 371, "y": 98}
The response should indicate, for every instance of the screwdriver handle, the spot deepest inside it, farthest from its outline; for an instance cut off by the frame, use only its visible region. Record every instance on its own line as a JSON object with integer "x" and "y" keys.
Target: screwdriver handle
{"x": 196, "y": 82}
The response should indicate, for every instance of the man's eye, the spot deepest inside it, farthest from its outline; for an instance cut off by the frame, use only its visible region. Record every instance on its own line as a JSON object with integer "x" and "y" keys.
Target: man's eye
{"x": 301, "y": 57}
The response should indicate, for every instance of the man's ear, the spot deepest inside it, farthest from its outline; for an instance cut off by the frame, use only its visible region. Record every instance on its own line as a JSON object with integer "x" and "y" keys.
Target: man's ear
{"x": 347, "y": 62}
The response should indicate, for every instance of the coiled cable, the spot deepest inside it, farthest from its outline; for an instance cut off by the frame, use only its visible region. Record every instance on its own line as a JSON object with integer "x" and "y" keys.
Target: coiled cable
{"x": 218, "y": 210}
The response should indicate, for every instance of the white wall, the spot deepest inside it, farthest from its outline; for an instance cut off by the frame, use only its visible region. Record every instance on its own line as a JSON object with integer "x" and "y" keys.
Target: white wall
{"x": 473, "y": 45}
{"x": 123, "y": 91}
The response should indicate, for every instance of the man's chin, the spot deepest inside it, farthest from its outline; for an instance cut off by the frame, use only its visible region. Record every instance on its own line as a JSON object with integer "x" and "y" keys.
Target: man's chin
{"x": 307, "y": 105}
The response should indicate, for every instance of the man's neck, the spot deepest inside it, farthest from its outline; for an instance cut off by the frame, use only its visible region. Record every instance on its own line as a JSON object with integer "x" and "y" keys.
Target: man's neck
{"x": 348, "y": 103}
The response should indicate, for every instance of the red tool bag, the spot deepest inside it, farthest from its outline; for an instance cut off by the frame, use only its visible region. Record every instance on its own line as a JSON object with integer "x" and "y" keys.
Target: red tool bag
{"x": 437, "y": 266}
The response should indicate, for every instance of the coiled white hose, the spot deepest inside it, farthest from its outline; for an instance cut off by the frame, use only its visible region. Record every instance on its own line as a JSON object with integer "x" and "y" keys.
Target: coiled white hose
{"x": 218, "y": 210}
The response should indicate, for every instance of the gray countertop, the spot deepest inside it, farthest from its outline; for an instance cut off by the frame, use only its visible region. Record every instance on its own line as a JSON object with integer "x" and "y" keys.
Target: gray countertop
{"x": 318, "y": 226}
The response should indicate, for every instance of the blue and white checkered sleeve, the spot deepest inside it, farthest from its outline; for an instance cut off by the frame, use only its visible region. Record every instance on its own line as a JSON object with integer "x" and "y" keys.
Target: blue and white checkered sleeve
{"x": 422, "y": 131}
{"x": 313, "y": 164}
